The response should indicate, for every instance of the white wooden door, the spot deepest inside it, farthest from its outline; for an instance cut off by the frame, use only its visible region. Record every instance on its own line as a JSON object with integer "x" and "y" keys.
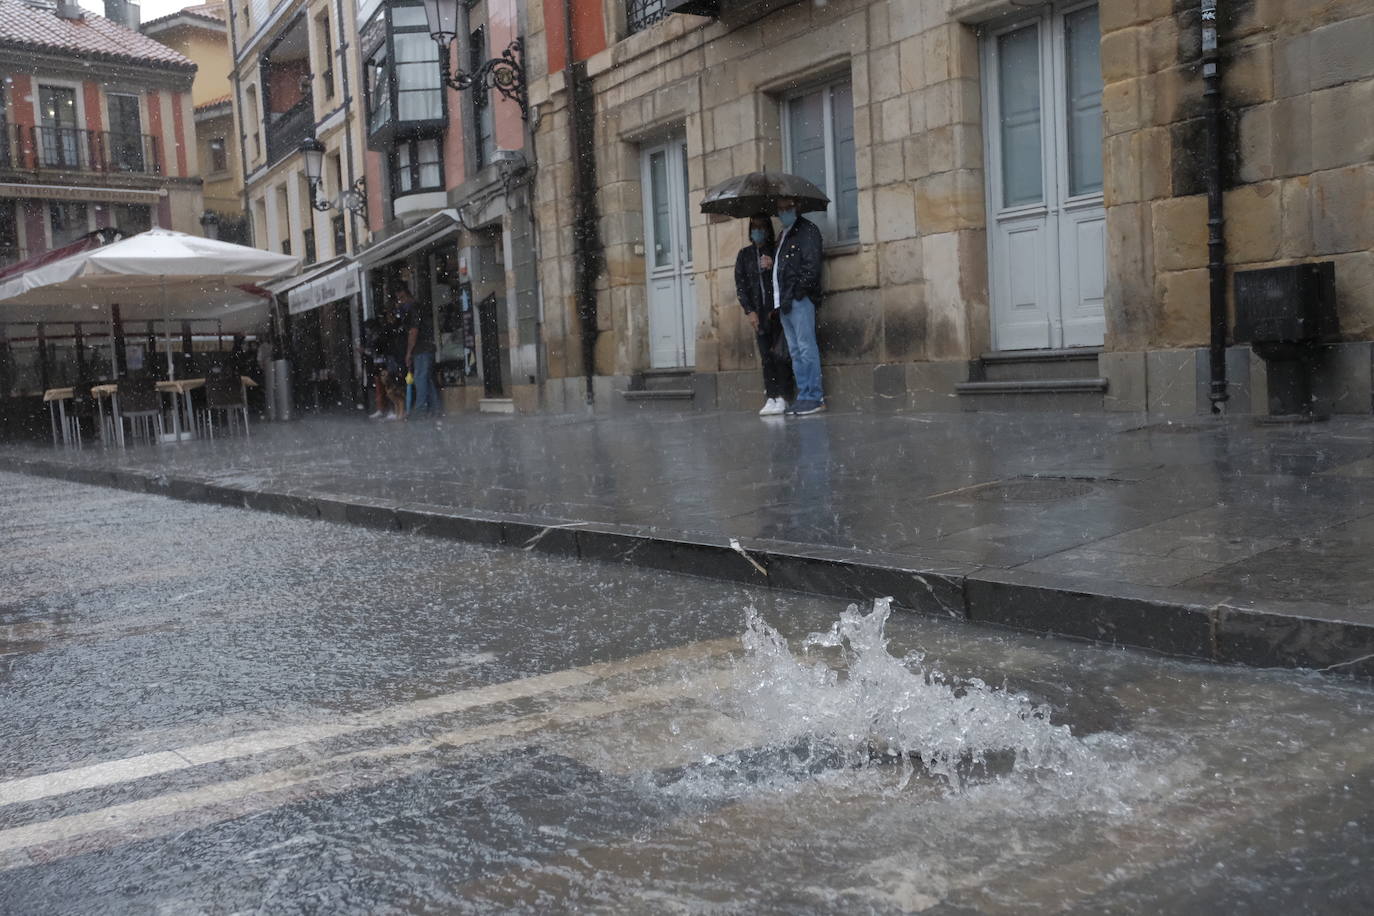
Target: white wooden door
{"x": 1042, "y": 81}
{"x": 668, "y": 257}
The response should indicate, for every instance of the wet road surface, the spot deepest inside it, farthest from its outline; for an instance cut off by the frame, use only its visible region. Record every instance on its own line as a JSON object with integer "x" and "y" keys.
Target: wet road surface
{"x": 214, "y": 710}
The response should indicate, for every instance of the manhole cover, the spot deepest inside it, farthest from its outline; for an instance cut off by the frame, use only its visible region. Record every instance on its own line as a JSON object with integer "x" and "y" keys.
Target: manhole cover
{"x": 1033, "y": 491}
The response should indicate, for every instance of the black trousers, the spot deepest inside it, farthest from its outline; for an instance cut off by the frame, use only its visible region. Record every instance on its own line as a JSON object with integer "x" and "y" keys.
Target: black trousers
{"x": 777, "y": 365}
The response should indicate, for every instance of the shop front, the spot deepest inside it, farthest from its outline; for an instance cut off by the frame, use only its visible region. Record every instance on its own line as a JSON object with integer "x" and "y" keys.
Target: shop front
{"x": 322, "y": 327}
{"x": 458, "y": 283}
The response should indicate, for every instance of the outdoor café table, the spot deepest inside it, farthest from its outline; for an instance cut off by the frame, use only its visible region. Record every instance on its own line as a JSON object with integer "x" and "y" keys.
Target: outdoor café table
{"x": 184, "y": 387}
{"x": 100, "y": 393}
{"x": 59, "y": 397}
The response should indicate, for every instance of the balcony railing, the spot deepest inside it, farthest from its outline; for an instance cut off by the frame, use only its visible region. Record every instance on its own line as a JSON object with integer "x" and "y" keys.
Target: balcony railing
{"x": 285, "y": 131}
{"x": 640, "y": 14}
{"x": 73, "y": 150}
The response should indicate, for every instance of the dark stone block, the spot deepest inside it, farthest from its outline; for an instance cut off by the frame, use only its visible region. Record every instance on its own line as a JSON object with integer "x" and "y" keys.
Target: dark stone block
{"x": 1144, "y": 618}
{"x": 623, "y": 544}
{"x": 434, "y": 523}
{"x": 331, "y": 510}
{"x": 132, "y": 481}
{"x": 371, "y": 515}
{"x": 855, "y": 578}
{"x": 224, "y": 496}
{"x": 552, "y": 537}
{"x": 189, "y": 490}
{"x": 1340, "y": 640}
{"x": 610, "y": 543}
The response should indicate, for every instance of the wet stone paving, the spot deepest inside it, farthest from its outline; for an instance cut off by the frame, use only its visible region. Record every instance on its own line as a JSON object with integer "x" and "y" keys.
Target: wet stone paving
{"x": 213, "y": 710}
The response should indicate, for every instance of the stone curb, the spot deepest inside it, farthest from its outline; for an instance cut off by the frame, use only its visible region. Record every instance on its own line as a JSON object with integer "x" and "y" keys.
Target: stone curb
{"x": 1169, "y": 621}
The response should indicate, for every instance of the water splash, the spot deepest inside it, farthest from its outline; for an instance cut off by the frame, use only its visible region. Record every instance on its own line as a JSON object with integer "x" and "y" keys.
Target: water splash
{"x": 844, "y": 689}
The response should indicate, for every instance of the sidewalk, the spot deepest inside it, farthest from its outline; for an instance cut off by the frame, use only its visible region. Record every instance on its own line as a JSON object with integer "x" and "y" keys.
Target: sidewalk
{"x": 1224, "y": 540}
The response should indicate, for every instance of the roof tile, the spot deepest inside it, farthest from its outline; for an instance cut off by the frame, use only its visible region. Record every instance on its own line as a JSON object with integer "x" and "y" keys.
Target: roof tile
{"x": 26, "y": 27}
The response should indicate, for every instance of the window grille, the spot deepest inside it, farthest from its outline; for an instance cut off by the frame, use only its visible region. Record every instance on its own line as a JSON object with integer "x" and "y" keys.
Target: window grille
{"x": 640, "y": 14}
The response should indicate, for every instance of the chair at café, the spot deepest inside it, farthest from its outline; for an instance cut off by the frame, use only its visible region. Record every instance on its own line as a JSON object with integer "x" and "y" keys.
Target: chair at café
{"x": 80, "y": 408}
{"x": 141, "y": 404}
{"x": 224, "y": 396}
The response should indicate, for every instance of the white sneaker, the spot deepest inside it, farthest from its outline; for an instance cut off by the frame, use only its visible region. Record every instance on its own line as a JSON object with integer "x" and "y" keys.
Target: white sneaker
{"x": 773, "y": 408}
{"x": 375, "y": 414}
{"x": 392, "y": 416}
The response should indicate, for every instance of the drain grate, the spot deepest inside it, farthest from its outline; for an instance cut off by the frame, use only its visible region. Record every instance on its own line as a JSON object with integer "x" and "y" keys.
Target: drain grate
{"x": 1033, "y": 490}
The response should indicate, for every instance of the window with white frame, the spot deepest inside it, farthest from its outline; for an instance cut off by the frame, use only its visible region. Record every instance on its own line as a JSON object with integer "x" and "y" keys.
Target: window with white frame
{"x": 418, "y": 166}
{"x": 818, "y": 145}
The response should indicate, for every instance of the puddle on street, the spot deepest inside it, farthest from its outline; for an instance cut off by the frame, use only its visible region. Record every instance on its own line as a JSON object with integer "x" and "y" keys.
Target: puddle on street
{"x": 311, "y": 726}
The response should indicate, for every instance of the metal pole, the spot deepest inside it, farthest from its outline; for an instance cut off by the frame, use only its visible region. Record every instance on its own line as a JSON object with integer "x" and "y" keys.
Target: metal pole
{"x": 582, "y": 151}
{"x": 1216, "y": 236}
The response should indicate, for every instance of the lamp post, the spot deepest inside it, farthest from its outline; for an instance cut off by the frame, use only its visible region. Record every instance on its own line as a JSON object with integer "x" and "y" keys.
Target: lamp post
{"x": 353, "y": 199}
{"x": 505, "y": 74}
{"x": 209, "y": 224}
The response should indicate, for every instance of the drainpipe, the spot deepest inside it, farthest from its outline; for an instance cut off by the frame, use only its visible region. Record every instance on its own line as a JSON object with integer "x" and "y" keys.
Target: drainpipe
{"x": 243, "y": 132}
{"x": 582, "y": 149}
{"x": 1216, "y": 238}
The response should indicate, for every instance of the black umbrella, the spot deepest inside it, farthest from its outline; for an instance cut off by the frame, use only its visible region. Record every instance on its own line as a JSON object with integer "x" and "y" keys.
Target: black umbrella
{"x": 758, "y": 192}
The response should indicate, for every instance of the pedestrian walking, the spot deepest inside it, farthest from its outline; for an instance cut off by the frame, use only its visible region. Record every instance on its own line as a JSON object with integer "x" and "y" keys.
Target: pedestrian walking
{"x": 755, "y": 292}
{"x": 796, "y": 269}
{"x": 419, "y": 351}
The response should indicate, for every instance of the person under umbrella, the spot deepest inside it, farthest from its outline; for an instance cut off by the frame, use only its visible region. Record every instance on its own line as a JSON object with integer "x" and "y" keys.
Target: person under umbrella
{"x": 797, "y": 295}
{"x": 754, "y": 287}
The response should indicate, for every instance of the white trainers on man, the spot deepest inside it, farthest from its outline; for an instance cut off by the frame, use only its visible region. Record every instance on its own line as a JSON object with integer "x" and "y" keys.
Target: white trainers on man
{"x": 774, "y": 407}
{"x": 376, "y": 415}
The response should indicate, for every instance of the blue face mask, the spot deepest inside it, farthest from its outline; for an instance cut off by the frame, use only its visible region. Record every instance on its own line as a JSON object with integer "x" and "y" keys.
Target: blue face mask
{"x": 758, "y": 236}
{"x": 788, "y": 218}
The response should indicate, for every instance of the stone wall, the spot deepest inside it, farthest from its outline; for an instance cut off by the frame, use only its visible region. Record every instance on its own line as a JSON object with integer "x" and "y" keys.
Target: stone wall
{"x": 918, "y": 156}
{"x": 1298, "y": 78}
{"x": 908, "y": 303}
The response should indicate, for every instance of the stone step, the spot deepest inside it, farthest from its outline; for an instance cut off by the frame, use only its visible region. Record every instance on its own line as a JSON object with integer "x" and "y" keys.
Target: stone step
{"x": 662, "y": 379}
{"x": 496, "y": 405}
{"x": 1060, "y": 394}
{"x": 1046, "y": 365}
{"x": 659, "y": 394}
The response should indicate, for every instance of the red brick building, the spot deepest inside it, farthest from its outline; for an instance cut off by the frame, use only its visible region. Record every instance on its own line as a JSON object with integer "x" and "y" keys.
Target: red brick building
{"x": 96, "y": 128}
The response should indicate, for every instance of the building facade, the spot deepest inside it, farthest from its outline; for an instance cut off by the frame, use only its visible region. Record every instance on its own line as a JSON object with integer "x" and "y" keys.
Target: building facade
{"x": 448, "y": 195}
{"x": 96, "y": 130}
{"x": 201, "y": 34}
{"x": 1018, "y": 209}
{"x": 294, "y": 78}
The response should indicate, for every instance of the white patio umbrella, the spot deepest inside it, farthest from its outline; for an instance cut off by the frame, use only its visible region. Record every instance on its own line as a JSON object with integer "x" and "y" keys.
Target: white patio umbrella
{"x": 159, "y": 274}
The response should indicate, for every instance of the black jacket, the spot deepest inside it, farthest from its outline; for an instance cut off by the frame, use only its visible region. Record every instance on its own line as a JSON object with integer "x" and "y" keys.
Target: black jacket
{"x": 799, "y": 264}
{"x": 754, "y": 287}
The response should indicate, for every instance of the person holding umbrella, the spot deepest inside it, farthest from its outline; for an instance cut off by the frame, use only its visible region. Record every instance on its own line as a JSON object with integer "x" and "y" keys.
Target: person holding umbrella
{"x": 754, "y": 287}
{"x": 796, "y": 269}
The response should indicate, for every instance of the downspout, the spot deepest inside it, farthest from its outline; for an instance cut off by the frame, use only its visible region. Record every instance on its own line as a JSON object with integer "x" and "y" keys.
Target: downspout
{"x": 586, "y": 247}
{"x": 1216, "y": 237}
{"x": 243, "y": 135}
{"x": 355, "y": 314}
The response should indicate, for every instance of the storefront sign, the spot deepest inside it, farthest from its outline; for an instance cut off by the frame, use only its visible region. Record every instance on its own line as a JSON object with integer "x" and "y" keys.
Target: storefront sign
{"x": 69, "y": 192}
{"x": 333, "y": 286}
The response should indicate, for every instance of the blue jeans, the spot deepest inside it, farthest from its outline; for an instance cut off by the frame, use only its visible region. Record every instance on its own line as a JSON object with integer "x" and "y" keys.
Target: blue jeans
{"x": 426, "y": 392}
{"x": 799, "y": 325}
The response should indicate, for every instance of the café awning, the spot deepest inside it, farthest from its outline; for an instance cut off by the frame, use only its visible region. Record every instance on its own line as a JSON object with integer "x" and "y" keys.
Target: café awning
{"x": 426, "y": 232}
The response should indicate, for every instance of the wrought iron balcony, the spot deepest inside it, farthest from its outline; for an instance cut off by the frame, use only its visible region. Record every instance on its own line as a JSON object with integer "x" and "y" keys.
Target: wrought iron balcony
{"x": 71, "y": 149}
{"x": 285, "y": 131}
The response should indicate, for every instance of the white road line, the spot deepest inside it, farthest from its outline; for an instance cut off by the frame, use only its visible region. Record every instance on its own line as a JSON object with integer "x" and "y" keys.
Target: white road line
{"x": 129, "y": 821}
{"x": 47, "y": 785}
